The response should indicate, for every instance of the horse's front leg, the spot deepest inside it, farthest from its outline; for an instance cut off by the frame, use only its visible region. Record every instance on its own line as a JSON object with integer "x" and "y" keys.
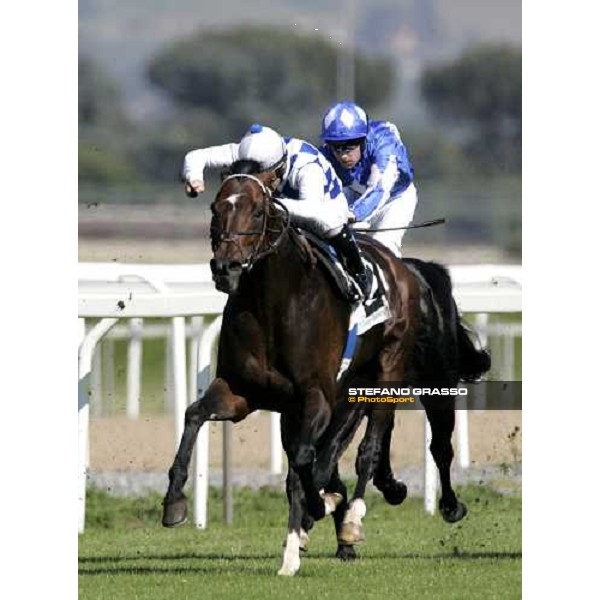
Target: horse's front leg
{"x": 218, "y": 404}
{"x": 302, "y": 437}
{"x": 297, "y": 536}
{"x": 442, "y": 426}
{"x": 335, "y": 486}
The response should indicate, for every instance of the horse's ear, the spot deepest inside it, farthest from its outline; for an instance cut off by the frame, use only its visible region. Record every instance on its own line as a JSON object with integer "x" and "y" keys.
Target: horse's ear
{"x": 224, "y": 174}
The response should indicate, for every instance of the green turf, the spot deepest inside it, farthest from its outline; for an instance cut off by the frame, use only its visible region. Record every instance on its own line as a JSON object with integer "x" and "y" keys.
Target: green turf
{"x": 126, "y": 554}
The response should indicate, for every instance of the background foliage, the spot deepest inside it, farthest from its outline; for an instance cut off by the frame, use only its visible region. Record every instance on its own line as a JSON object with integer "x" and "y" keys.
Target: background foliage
{"x": 482, "y": 90}
{"x": 218, "y": 82}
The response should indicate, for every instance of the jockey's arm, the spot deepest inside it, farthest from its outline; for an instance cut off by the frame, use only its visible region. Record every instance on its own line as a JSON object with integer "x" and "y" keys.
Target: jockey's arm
{"x": 314, "y": 209}
{"x": 391, "y": 162}
{"x": 310, "y": 182}
{"x": 197, "y": 160}
{"x": 379, "y": 185}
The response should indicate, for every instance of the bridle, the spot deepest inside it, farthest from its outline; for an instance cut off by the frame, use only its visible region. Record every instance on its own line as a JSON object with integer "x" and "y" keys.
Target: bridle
{"x": 218, "y": 236}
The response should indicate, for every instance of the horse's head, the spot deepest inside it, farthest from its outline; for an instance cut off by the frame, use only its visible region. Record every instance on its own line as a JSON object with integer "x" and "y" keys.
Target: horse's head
{"x": 245, "y": 218}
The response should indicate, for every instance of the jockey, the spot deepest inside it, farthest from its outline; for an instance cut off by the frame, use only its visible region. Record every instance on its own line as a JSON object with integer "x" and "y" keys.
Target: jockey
{"x": 311, "y": 190}
{"x": 375, "y": 169}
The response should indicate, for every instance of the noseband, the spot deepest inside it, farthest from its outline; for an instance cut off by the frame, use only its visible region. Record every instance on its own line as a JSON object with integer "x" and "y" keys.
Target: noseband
{"x": 258, "y": 252}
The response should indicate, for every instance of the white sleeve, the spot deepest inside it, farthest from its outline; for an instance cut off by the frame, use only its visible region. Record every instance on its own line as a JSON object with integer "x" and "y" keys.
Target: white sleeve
{"x": 214, "y": 157}
{"x": 313, "y": 210}
{"x": 310, "y": 182}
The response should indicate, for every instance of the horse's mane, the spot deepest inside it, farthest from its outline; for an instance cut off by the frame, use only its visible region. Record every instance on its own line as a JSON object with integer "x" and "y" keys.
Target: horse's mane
{"x": 244, "y": 167}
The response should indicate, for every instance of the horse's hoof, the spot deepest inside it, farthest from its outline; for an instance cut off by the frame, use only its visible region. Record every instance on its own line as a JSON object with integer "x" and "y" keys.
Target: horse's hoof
{"x": 304, "y": 540}
{"x": 346, "y": 553}
{"x": 289, "y": 568}
{"x": 332, "y": 500}
{"x": 175, "y": 513}
{"x": 452, "y": 515}
{"x": 350, "y": 534}
{"x": 395, "y": 493}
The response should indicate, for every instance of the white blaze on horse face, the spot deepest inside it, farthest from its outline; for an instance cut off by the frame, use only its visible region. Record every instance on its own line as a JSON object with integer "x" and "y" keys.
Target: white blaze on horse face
{"x": 291, "y": 555}
{"x": 233, "y": 199}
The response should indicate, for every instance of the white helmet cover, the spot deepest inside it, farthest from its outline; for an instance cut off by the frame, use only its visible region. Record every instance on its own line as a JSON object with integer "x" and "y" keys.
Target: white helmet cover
{"x": 264, "y": 145}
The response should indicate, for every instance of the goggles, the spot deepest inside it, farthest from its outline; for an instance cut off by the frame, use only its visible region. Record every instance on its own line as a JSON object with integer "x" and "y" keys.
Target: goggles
{"x": 344, "y": 147}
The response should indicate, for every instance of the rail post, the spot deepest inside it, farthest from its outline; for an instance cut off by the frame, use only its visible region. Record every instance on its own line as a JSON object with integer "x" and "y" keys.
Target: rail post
{"x": 134, "y": 368}
{"x": 207, "y": 341}
{"x": 180, "y": 397}
{"x": 86, "y": 351}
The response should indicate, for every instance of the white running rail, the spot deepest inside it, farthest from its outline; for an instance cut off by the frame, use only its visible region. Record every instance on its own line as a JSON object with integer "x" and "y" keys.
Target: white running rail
{"x": 114, "y": 291}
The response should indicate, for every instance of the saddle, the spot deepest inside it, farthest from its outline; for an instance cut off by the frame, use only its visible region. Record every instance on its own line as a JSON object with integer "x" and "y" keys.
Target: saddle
{"x": 326, "y": 255}
{"x": 365, "y": 315}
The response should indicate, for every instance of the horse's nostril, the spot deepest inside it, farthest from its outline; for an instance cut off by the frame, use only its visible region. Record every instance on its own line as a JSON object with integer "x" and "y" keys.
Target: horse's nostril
{"x": 217, "y": 266}
{"x": 224, "y": 267}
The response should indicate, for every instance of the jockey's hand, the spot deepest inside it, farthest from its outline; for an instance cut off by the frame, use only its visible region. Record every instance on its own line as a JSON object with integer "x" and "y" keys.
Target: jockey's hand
{"x": 350, "y": 216}
{"x": 361, "y": 225}
{"x": 194, "y": 187}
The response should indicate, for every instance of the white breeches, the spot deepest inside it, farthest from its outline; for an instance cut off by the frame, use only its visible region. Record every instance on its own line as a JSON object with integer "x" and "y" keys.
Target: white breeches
{"x": 398, "y": 212}
{"x": 323, "y": 217}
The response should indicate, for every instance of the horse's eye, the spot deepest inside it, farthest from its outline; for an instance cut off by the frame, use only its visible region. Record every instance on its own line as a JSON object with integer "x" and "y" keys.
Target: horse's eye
{"x": 259, "y": 214}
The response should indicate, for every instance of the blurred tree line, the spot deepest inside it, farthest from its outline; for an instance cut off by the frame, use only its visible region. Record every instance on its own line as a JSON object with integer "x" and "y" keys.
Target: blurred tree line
{"x": 480, "y": 95}
{"x": 220, "y": 82}
{"x": 223, "y": 81}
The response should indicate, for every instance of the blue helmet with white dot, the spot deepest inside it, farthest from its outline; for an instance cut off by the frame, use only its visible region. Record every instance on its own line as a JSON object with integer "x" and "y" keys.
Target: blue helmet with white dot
{"x": 344, "y": 121}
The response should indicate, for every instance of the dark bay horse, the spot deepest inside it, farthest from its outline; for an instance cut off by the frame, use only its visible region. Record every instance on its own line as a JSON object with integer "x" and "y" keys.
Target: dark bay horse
{"x": 284, "y": 330}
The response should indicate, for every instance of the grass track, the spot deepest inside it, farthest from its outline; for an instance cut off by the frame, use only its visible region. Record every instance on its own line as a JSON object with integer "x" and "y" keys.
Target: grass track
{"x": 125, "y": 554}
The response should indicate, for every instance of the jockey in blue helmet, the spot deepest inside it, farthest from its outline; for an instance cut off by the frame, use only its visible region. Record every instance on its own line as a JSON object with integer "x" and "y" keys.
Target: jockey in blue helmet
{"x": 375, "y": 169}
{"x": 306, "y": 184}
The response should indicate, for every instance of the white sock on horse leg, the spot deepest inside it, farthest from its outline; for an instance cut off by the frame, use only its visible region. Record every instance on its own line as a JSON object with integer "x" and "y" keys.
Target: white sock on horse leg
{"x": 356, "y": 512}
{"x": 291, "y": 555}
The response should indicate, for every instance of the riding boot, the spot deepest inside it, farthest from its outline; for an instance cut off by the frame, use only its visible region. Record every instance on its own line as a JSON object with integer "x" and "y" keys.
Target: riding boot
{"x": 349, "y": 252}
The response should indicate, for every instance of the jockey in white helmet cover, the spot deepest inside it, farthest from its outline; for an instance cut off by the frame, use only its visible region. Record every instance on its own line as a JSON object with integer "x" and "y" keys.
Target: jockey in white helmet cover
{"x": 308, "y": 187}
{"x": 374, "y": 166}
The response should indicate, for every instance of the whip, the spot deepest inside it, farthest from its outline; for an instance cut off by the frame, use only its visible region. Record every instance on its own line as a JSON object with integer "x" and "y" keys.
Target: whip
{"x": 415, "y": 226}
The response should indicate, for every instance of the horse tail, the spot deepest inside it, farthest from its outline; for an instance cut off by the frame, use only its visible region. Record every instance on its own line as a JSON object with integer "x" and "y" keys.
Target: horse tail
{"x": 473, "y": 362}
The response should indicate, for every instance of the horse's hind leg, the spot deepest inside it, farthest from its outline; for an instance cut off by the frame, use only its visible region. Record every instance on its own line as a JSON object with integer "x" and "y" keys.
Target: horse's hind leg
{"x": 367, "y": 459}
{"x": 336, "y": 485}
{"x": 218, "y": 403}
{"x": 442, "y": 426}
{"x": 394, "y": 491}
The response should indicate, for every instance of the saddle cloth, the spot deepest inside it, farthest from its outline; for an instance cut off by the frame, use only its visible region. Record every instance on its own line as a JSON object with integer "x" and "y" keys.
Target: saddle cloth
{"x": 365, "y": 315}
